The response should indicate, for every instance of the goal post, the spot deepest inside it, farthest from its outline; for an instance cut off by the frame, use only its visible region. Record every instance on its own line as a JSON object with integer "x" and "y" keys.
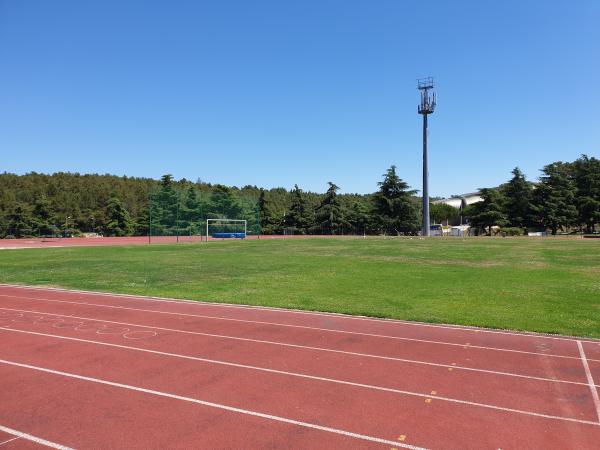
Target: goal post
{"x": 226, "y": 228}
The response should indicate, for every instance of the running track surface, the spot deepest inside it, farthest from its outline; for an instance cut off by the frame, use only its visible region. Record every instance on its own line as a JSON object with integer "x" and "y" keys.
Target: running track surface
{"x": 8, "y": 244}
{"x": 91, "y": 370}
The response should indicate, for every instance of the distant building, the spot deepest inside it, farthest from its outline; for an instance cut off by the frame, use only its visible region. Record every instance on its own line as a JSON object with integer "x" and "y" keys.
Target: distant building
{"x": 461, "y": 201}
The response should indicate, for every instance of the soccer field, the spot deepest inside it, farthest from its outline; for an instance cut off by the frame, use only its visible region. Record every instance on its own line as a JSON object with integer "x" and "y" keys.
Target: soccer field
{"x": 549, "y": 285}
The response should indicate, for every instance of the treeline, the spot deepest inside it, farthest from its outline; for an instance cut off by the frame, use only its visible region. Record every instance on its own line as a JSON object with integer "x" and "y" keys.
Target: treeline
{"x": 565, "y": 198}
{"x": 393, "y": 209}
{"x": 67, "y": 204}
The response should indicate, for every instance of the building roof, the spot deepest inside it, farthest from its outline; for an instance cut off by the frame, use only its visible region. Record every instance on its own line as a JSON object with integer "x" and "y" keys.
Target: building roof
{"x": 461, "y": 201}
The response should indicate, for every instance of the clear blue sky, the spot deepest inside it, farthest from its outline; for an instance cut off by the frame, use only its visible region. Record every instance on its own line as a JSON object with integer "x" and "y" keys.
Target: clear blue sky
{"x": 277, "y": 92}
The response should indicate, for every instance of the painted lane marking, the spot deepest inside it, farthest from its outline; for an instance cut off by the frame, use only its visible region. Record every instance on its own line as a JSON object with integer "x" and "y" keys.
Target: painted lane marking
{"x": 215, "y": 405}
{"x": 9, "y": 440}
{"x": 29, "y": 437}
{"x": 427, "y": 397}
{"x": 323, "y": 349}
{"x": 80, "y": 325}
{"x": 201, "y": 303}
{"x": 590, "y": 379}
{"x": 328, "y": 330}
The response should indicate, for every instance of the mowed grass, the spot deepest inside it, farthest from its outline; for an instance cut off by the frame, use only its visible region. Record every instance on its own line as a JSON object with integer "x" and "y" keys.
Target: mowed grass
{"x": 546, "y": 285}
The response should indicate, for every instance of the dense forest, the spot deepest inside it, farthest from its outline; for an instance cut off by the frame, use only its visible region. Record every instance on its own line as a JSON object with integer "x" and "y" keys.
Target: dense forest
{"x": 565, "y": 198}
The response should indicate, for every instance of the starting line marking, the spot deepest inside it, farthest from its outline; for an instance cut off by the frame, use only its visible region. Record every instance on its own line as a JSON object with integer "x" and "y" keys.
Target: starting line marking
{"x": 305, "y": 347}
{"x": 306, "y": 376}
{"x": 209, "y": 404}
{"x": 329, "y": 330}
{"x": 29, "y": 437}
{"x": 590, "y": 379}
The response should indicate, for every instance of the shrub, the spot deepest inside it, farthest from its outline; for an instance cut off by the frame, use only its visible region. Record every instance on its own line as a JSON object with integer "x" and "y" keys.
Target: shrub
{"x": 511, "y": 231}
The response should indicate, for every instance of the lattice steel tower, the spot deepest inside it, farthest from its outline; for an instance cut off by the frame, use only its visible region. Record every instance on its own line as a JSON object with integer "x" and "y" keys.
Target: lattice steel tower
{"x": 426, "y": 107}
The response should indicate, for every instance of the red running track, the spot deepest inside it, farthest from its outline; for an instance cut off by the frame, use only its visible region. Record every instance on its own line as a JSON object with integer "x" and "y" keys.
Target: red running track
{"x": 6, "y": 244}
{"x": 91, "y": 370}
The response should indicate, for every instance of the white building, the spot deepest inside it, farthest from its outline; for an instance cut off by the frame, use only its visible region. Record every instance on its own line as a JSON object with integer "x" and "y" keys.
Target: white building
{"x": 461, "y": 201}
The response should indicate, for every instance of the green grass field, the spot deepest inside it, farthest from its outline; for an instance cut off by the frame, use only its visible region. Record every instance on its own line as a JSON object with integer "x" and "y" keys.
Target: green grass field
{"x": 522, "y": 284}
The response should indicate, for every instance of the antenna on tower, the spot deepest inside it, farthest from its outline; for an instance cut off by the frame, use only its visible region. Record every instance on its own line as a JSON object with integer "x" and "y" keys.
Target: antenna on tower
{"x": 427, "y": 106}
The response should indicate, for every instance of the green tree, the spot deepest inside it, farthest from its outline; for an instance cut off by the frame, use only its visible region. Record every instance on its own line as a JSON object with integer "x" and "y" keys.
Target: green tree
{"x": 587, "y": 182}
{"x": 518, "y": 196}
{"x": 191, "y": 211}
{"x": 19, "y": 220}
{"x": 42, "y": 217}
{"x": 164, "y": 207}
{"x": 440, "y": 212}
{"x": 142, "y": 222}
{"x": 488, "y": 212}
{"x": 554, "y": 199}
{"x": 395, "y": 206}
{"x": 300, "y": 214}
{"x": 329, "y": 214}
{"x": 119, "y": 222}
{"x": 268, "y": 222}
{"x": 359, "y": 215}
{"x": 224, "y": 204}
{"x": 251, "y": 213}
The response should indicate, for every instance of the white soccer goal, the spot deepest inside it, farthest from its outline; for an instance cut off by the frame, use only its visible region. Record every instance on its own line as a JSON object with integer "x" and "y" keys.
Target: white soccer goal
{"x": 226, "y": 228}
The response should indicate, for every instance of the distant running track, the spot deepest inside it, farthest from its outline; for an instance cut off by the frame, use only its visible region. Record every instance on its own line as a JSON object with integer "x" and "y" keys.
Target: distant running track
{"x": 92, "y": 370}
{"x": 8, "y": 244}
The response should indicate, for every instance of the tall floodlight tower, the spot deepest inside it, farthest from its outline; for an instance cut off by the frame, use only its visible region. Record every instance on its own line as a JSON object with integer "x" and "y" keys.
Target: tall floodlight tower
{"x": 426, "y": 107}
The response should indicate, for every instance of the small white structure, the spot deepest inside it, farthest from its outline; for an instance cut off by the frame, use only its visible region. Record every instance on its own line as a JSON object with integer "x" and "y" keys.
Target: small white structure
{"x": 536, "y": 234}
{"x": 460, "y": 230}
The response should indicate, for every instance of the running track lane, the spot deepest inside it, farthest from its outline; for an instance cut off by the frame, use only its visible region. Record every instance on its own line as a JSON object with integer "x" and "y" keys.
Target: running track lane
{"x": 478, "y": 349}
{"x": 451, "y": 381}
{"x": 429, "y": 421}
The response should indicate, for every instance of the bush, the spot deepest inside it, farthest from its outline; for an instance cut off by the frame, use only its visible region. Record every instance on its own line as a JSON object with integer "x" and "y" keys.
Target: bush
{"x": 512, "y": 231}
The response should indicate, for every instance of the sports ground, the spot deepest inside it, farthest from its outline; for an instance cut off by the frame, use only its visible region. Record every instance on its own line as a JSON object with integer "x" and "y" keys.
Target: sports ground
{"x": 87, "y": 369}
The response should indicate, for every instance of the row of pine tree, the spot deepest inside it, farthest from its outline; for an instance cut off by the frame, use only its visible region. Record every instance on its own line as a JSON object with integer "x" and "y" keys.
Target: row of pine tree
{"x": 566, "y": 198}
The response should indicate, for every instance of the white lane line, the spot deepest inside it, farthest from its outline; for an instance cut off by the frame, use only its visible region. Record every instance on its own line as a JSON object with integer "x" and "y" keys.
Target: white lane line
{"x": 317, "y": 378}
{"x": 201, "y": 303}
{"x": 327, "y": 330}
{"x": 305, "y": 347}
{"x": 11, "y": 439}
{"x": 217, "y": 405}
{"x": 590, "y": 379}
{"x": 29, "y": 437}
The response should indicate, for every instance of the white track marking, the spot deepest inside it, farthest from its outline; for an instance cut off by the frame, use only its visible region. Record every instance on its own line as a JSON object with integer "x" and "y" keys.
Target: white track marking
{"x": 217, "y": 405}
{"x": 317, "y": 378}
{"x": 29, "y": 437}
{"x": 9, "y": 440}
{"x": 305, "y": 347}
{"x": 201, "y": 303}
{"x": 328, "y": 330}
{"x": 590, "y": 379}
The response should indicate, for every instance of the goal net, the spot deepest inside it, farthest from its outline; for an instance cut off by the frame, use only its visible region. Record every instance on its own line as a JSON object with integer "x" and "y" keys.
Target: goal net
{"x": 226, "y": 228}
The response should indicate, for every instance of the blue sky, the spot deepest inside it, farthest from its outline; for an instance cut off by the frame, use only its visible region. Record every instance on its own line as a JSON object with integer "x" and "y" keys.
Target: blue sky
{"x": 274, "y": 93}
